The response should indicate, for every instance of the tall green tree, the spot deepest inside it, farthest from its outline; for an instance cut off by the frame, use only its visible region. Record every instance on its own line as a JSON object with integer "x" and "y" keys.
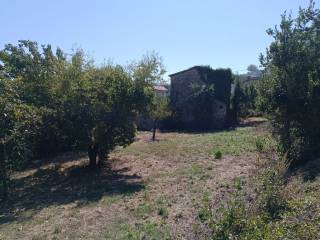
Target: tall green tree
{"x": 113, "y": 102}
{"x": 290, "y": 89}
{"x": 146, "y": 73}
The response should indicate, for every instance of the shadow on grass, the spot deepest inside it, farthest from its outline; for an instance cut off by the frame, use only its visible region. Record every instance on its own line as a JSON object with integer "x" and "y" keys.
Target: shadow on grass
{"x": 199, "y": 131}
{"x": 57, "y": 159}
{"x": 249, "y": 122}
{"x": 311, "y": 170}
{"x": 56, "y": 186}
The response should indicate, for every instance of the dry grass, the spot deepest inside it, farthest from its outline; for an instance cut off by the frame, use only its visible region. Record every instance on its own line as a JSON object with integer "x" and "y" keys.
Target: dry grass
{"x": 149, "y": 190}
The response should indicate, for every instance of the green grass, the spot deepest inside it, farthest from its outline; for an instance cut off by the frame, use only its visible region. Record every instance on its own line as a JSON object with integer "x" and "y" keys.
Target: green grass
{"x": 234, "y": 142}
{"x": 241, "y": 141}
{"x": 161, "y": 148}
{"x": 148, "y": 230}
{"x": 143, "y": 210}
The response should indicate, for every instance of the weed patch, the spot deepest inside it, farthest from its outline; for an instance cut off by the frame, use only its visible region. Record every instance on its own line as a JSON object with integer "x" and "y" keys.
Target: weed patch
{"x": 277, "y": 210}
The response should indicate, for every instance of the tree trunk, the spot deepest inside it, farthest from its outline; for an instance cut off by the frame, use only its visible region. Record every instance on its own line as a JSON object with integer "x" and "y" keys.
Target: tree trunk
{"x": 154, "y": 130}
{"x": 102, "y": 157}
{"x": 92, "y": 153}
{"x": 3, "y": 172}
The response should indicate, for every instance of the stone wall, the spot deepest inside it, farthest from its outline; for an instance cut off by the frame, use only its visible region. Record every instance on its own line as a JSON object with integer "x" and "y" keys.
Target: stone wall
{"x": 181, "y": 86}
{"x": 188, "y": 112}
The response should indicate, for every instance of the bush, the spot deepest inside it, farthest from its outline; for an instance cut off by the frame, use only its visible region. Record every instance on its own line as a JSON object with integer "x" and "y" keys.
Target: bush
{"x": 218, "y": 155}
{"x": 260, "y": 145}
{"x": 163, "y": 211}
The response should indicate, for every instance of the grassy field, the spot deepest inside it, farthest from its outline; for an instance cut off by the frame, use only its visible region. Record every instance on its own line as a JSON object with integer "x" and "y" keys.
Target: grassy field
{"x": 149, "y": 190}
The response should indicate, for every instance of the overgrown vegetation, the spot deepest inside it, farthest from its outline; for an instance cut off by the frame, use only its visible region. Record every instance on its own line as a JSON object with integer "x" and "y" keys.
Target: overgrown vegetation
{"x": 290, "y": 89}
{"x": 247, "y": 93}
{"x": 277, "y": 209}
{"x": 244, "y": 97}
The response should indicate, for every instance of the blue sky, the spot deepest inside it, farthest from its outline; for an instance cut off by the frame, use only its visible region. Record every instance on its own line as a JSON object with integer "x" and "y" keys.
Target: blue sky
{"x": 224, "y": 33}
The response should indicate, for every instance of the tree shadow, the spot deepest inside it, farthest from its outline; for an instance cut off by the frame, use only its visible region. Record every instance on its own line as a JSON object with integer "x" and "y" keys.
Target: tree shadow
{"x": 249, "y": 122}
{"x": 199, "y": 130}
{"x": 54, "y": 185}
{"x": 310, "y": 171}
{"x": 57, "y": 159}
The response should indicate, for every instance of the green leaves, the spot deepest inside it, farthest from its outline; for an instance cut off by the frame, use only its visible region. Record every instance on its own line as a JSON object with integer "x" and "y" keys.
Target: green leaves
{"x": 54, "y": 102}
{"x": 289, "y": 81}
{"x": 149, "y": 69}
{"x": 159, "y": 108}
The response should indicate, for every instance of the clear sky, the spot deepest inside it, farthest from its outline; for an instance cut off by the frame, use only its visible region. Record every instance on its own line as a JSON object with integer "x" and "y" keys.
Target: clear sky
{"x": 220, "y": 33}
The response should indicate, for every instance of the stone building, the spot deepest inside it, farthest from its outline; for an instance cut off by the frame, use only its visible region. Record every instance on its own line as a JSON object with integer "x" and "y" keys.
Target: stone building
{"x": 192, "y": 114}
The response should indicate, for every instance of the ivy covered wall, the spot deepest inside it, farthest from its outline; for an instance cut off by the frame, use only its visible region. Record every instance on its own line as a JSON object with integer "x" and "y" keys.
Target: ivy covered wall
{"x": 200, "y": 97}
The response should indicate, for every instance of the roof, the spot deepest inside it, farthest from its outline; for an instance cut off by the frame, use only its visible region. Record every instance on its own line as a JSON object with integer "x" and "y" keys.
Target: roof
{"x": 160, "y": 88}
{"x": 199, "y": 68}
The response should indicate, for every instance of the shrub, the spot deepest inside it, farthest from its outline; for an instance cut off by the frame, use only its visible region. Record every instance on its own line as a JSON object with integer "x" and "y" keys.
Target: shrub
{"x": 260, "y": 144}
{"x": 218, "y": 154}
{"x": 163, "y": 211}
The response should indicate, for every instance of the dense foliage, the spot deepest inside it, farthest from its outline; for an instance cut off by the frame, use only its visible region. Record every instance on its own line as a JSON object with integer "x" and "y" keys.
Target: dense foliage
{"x": 247, "y": 99}
{"x": 220, "y": 78}
{"x": 214, "y": 86}
{"x": 247, "y": 91}
{"x": 290, "y": 90}
{"x": 52, "y": 103}
{"x": 243, "y": 100}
